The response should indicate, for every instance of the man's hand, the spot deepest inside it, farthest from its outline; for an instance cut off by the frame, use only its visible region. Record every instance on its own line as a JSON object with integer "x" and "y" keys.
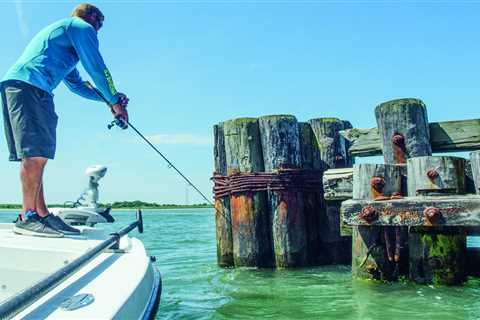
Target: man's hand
{"x": 123, "y": 99}
{"x": 120, "y": 111}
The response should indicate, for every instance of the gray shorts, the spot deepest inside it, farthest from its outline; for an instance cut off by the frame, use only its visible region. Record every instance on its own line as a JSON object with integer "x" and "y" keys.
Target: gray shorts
{"x": 30, "y": 120}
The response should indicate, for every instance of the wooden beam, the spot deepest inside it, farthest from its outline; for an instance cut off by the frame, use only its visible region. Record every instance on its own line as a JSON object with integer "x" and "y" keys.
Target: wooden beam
{"x": 454, "y": 211}
{"x": 445, "y": 136}
{"x": 363, "y": 142}
{"x": 338, "y": 184}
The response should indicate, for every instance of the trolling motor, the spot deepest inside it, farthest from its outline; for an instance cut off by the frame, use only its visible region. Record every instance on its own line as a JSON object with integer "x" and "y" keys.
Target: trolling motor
{"x": 90, "y": 195}
{"x": 86, "y": 209}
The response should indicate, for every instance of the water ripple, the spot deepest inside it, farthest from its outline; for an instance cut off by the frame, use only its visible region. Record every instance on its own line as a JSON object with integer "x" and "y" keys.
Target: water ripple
{"x": 195, "y": 288}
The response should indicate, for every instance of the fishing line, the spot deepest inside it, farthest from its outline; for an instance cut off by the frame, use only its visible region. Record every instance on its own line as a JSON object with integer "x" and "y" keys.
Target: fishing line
{"x": 121, "y": 123}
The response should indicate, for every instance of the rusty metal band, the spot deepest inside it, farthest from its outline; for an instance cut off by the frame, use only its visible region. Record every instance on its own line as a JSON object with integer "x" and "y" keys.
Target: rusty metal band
{"x": 284, "y": 179}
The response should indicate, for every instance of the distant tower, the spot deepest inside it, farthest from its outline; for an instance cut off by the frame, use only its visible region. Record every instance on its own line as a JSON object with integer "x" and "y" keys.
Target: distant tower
{"x": 187, "y": 195}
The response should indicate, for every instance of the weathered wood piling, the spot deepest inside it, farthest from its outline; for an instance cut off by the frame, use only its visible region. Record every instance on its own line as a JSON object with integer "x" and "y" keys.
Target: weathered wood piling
{"x": 333, "y": 153}
{"x": 403, "y": 128}
{"x": 315, "y": 213}
{"x": 332, "y": 146}
{"x": 223, "y": 217}
{"x": 252, "y": 245}
{"x": 281, "y": 150}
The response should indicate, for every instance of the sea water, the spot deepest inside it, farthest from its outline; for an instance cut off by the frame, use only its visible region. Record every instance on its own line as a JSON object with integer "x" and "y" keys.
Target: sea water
{"x": 183, "y": 240}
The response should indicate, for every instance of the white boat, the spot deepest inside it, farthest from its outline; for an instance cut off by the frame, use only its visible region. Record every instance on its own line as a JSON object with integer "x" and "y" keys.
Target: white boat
{"x": 95, "y": 275}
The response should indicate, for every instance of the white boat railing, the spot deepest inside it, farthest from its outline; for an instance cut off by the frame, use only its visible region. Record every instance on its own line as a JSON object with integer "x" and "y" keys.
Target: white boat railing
{"x": 17, "y": 303}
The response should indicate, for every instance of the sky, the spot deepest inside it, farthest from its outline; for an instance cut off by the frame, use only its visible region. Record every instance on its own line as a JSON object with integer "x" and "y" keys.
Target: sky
{"x": 187, "y": 65}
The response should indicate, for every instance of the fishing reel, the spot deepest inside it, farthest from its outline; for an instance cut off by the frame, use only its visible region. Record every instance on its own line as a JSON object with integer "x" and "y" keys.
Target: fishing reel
{"x": 118, "y": 122}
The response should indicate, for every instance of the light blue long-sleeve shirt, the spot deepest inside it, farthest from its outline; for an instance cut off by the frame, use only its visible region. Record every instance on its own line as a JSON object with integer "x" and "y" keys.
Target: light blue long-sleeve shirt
{"x": 52, "y": 56}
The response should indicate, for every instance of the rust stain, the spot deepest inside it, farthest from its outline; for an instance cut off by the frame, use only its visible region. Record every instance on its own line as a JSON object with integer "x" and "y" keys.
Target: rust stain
{"x": 282, "y": 210}
{"x": 242, "y": 214}
{"x": 218, "y": 208}
{"x": 291, "y": 207}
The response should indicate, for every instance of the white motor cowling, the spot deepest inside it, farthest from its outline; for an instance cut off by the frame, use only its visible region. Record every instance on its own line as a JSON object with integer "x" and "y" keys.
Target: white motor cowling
{"x": 86, "y": 210}
{"x": 90, "y": 195}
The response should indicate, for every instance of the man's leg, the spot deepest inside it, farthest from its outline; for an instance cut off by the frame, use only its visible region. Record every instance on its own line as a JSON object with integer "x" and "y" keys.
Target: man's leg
{"x": 31, "y": 172}
{"x": 30, "y": 124}
{"x": 41, "y": 205}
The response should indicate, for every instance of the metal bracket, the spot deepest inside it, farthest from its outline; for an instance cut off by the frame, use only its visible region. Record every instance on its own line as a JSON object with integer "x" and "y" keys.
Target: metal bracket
{"x": 399, "y": 149}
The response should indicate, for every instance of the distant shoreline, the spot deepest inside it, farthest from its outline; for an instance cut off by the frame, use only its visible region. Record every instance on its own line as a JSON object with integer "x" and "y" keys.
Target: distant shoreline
{"x": 127, "y": 205}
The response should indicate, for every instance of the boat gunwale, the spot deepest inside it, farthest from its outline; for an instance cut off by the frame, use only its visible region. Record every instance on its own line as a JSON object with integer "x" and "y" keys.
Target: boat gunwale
{"x": 154, "y": 300}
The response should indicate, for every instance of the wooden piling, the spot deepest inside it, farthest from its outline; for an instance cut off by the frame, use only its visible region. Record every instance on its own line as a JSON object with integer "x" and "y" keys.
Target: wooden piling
{"x": 281, "y": 149}
{"x": 403, "y": 129}
{"x": 332, "y": 146}
{"x": 251, "y": 229}
{"x": 333, "y": 154}
{"x": 222, "y": 205}
{"x": 315, "y": 213}
{"x": 437, "y": 254}
{"x": 373, "y": 248}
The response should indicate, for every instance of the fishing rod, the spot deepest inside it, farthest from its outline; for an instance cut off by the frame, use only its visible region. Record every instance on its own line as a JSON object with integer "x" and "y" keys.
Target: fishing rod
{"x": 123, "y": 123}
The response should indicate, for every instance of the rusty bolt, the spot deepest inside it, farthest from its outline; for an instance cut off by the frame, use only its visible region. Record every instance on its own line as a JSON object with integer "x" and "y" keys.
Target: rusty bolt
{"x": 432, "y": 174}
{"x": 398, "y": 139}
{"x": 377, "y": 183}
{"x": 432, "y": 214}
{"x": 368, "y": 214}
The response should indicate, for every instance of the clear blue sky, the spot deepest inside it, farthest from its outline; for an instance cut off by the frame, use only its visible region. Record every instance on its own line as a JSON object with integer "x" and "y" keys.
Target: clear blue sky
{"x": 187, "y": 65}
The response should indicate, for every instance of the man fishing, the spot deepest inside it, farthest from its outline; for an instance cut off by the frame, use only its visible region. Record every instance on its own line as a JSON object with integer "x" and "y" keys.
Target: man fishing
{"x": 28, "y": 110}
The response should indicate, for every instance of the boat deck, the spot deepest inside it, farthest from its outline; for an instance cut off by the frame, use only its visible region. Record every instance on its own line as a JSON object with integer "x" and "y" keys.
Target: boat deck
{"x": 114, "y": 278}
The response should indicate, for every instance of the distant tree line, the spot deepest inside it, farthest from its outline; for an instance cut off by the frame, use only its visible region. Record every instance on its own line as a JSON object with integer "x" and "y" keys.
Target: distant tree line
{"x": 154, "y": 205}
{"x": 122, "y": 205}
{"x": 10, "y": 206}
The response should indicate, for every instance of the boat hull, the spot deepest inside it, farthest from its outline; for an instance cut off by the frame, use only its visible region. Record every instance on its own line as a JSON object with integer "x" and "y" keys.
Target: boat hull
{"x": 122, "y": 284}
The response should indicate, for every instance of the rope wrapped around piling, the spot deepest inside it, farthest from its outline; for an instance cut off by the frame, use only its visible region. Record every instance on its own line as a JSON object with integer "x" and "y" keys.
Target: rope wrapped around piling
{"x": 283, "y": 179}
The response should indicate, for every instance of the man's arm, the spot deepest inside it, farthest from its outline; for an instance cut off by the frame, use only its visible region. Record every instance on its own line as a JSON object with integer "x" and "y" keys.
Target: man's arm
{"x": 84, "y": 40}
{"x": 74, "y": 82}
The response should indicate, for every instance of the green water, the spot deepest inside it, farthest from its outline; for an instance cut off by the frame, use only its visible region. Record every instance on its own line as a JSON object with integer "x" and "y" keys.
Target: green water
{"x": 195, "y": 288}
